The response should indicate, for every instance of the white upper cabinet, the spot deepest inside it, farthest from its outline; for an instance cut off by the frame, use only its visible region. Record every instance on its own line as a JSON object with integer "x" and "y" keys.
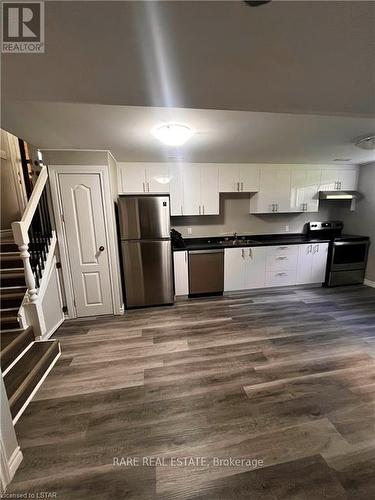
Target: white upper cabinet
{"x": 235, "y": 178}
{"x": 141, "y": 178}
{"x": 304, "y": 192}
{"x": 339, "y": 179}
{"x": 191, "y": 181}
{"x": 209, "y": 176}
{"x": 176, "y": 189}
{"x": 157, "y": 178}
{"x": 194, "y": 189}
{"x": 132, "y": 178}
{"x": 274, "y": 190}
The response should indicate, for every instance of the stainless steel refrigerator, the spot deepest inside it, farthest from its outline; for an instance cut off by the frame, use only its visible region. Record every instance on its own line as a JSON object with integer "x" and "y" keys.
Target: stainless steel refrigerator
{"x": 146, "y": 250}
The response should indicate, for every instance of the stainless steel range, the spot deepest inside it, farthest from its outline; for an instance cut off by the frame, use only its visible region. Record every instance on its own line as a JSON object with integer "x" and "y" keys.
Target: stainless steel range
{"x": 347, "y": 256}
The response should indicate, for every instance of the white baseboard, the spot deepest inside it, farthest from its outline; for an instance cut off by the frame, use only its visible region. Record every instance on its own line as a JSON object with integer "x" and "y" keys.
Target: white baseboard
{"x": 14, "y": 462}
{"x": 369, "y": 283}
{"x": 46, "y": 336}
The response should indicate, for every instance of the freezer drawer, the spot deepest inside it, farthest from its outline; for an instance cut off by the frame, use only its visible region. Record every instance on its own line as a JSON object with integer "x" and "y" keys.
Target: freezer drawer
{"x": 148, "y": 272}
{"x": 144, "y": 217}
{"x": 206, "y": 272}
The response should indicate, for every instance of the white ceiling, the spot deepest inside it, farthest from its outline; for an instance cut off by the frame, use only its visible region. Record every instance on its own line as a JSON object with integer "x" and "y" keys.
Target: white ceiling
{"x": 112, "y": 70}
{"x": 222, "y": 136}
{"x": 298, "y": 56}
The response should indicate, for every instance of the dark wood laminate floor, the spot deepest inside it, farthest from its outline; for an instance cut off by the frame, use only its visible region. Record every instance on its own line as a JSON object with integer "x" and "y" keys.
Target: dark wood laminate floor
{"x": 285, "y": 376}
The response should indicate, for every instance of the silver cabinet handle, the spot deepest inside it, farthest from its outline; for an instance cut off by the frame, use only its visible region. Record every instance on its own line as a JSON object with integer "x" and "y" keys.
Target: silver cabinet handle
{"x": 185, "y": 256}
{"x": 309, "y": 249}
{"x": 339, "y": 184}
{"x": 241, "y": 186}
{"x": 250, "y": 253}
{"x": 182, "y": 210}
{"x": 243, "y": 253}
{"x": 281, "y": 258}
{"x": 273, "y": 207}
{"x": 282, "y": 248}
{"x": 238, "y": 186}
{"x": 148, "y": 187}
{"x": 281, "y": 274}
{"x": 203, "y": 209}
{"x": 144, "y": 188}
{"x": 199, "y": 209}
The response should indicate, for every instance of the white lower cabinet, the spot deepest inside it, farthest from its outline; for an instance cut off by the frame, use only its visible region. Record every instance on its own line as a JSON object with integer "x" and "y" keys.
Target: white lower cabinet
{"x": 312, "y": 263}
{"x": 244, "y": 268}
{"x": 181, "y": 274}
{"x": 234, "y": 269}
{"x": 270, "y": 266}
{"x": 255, "y": 258}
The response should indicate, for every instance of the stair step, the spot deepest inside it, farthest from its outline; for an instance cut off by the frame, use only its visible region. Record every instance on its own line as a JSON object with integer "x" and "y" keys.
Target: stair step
{"x": 8, "y": 246}
{"x": 12, "y": 344}
{"x": 25, "y": 375}
{"x": 11, "y": 298}
{"x": 8, "y": 318}
{"x": 9, "y": 260}
{"x": 12, "y": 277}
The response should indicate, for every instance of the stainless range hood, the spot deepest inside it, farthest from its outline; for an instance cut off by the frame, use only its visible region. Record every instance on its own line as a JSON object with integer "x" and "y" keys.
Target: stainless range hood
{"x": 339, "y": 195}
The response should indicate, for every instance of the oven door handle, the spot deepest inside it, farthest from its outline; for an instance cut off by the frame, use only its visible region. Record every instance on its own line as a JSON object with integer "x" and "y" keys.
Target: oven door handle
{"x": 346, "y": 243}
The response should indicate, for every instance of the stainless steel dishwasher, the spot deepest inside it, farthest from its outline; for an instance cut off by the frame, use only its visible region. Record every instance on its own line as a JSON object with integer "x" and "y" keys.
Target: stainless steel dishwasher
{"x": 206, "y": 272}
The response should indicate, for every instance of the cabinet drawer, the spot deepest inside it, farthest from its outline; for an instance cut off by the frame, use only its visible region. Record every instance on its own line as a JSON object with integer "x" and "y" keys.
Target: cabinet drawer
{"x": 281, "y": 262}
{"x": 280, "y": 278}
{"x": 283, "y": 250}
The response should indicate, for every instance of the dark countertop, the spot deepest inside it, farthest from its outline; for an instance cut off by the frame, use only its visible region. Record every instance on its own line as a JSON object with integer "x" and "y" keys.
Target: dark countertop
{"x": 247, "y": 241}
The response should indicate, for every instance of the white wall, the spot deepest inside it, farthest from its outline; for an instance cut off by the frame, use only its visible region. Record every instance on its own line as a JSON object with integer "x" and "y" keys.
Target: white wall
{"x": 235, "y": 217}
{"x": 362, "y": 220}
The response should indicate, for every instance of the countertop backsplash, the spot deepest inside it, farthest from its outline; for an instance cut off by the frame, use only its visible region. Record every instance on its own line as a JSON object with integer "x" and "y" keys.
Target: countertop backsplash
{"x": 235, "y": 217}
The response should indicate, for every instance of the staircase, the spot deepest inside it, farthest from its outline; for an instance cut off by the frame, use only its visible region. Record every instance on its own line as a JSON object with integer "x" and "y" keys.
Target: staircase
{"x": 25, "y": 361}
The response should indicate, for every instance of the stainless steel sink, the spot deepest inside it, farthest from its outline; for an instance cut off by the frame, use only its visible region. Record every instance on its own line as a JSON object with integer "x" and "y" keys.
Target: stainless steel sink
{"x": 238, "y": 242}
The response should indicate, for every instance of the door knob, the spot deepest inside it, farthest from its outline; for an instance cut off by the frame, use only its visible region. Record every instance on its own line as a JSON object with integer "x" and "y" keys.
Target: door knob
{"x": 101, "y": 249}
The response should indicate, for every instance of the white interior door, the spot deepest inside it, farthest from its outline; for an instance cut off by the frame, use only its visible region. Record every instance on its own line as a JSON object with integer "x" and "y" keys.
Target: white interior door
{"x": 83, "y": 212}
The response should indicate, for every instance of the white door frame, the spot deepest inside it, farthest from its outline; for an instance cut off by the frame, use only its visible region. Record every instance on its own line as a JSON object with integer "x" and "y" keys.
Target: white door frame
{"x": 110, "y": 228}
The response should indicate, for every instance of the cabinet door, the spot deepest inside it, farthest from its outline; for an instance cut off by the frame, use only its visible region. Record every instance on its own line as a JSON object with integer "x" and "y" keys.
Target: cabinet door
{"x": 228, "y": 178}
{"x": 209, "y": 190}
{"x": 304, "y": 266}
{"x": 304, "y": 196}
{"x": 133, "y": 178}
{"x": 181, "y": 278}
{"x": 329, "y": 180}
{"x": 319, "y": 262}
{"x": 281, "y": 188}
{"x": 192, "y": 190}
{"x": 176, "y": 189}
{"x": 348, "y": 179}
{"x": 157, "y": 178}
{"x": 274, "y": 190}
{"x": 234, "y": 267}
{"x": 255, "y": 267}
{"x": 249, "y": 178}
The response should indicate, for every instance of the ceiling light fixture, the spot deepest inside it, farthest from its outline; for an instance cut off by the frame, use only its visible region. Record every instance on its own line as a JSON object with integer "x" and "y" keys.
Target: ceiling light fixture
{"x": 366, "y": 142}
{"x": 173, "y": 134}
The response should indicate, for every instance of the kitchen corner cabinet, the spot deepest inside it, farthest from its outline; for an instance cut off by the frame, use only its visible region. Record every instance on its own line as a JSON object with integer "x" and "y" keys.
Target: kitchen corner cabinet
{"x": 143, "y": 178}
{"x": 194, "y": 189}
{"x": 181, "y": 275}
{"x": 239, "y": 178}
{"x": 343, "y": 179}
{"x": 274, "y": 190}
{"x": 304, "y": 191}
{"x": 312, "y": 263}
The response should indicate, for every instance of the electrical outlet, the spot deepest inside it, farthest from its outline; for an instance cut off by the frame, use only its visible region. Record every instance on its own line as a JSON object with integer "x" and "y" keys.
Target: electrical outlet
{"x": 190, "y": 230}
{"x": 287, "y": 228}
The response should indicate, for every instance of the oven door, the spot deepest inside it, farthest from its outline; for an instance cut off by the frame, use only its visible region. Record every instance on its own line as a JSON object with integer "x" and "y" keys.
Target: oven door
{"x": 349, "y": 255}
